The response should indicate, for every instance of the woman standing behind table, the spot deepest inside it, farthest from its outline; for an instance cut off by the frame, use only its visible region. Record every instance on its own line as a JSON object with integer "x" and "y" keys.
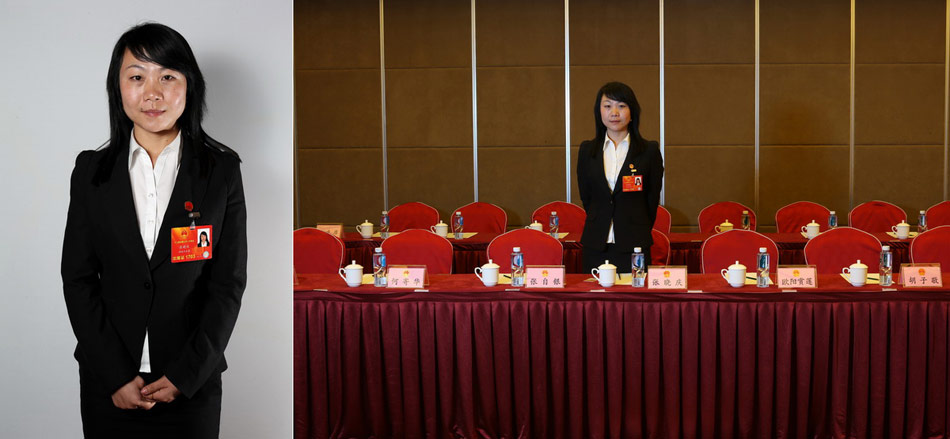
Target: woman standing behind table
{"x": 151, "y": 322}
{"x": 619, "y": 176}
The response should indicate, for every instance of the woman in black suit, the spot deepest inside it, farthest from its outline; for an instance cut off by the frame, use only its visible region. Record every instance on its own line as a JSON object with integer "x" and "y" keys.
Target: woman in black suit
{"x": 619, "y": 176}
{"x": 151, "y": 324}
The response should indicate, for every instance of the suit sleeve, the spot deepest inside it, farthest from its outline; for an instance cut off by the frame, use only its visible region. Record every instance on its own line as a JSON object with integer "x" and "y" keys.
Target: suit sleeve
{"x": 655, "y": 183}
{"x": 583, "y": 186}
{"x": 204, "y": 349}
{"x": 100, "y": 346}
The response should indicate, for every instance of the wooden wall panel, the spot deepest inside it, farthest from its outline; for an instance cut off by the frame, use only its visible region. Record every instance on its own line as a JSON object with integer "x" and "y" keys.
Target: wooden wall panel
{"x": 429, "y": 107}
{"x": 710, "y": 32}
{"x": 428, "y": 33}
{"x": 805, "y": 31}
{"x": 697, "y": 176}
{"x": 522, "y": 33}
{"x": 331, "y": 34}
{"x": 910, "y": 176}
{"x": 520, "y": 179}
{"x": 598, "y": 40}
{"x": 900, "y": 31}
{"x": 790, "y": 173}
{"x": 710, "y": 104}
{"x": 338, "y": 108}
{"x": 340, "y": 185}
{"x": 898, "y": 104}
{"x": 439, "y": 177}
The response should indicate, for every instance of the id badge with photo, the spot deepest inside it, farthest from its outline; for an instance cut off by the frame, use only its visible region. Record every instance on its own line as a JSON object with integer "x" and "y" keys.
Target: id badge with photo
{"x": 632, "y": 183}
{"x": 191, "y": 244}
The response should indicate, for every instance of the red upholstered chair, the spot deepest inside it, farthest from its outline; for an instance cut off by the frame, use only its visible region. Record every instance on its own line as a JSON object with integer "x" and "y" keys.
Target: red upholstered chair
{"x": 663, "y": 220}
{"x": 875, "y": 216}
{"x": 414, "y": 215}
{"x": 932, "y": 246}
{"x": 316, "y": 251}
{"x": 840, "y": 247}
{"x": 724, "y": 249}
{"x": 483, "y": 217}
{"x": 570, "y": 216}
{"x": 714, "y": 214}
{"x": 660, "y": 250}
{"x": 538, "y": 248}
{"x": 419, "y": 247}
{"x": 792, "y": 217}
{"x": 938, "y": 215}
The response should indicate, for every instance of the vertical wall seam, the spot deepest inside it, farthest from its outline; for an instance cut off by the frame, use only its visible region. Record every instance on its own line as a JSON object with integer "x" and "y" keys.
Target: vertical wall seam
{"x": 946, "y": 102}
{"x": 851, "y": 118}
{"x": 567, "y": 102}
{"x": 382, "y": 88}
{"x": 296, "y": 165}
{"x": 757, "y": 146}
{"x": 474, "y": 108}
{"x": 663, "y": 103}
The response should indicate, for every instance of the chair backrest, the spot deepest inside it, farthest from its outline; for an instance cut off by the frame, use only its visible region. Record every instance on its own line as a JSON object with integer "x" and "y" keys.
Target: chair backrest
{"x": 791, "y": 218}
{"x": 724, "y": 249}
{"x": 316, "y": 251}
{"x": 938, "y": 215}
{"x": 714, "y": 214}
{"x": 413, "y": 215}
{"x": 538, "y": 248}
{"x": 875, "y": 216}
{"x": 840, "y": 247}
{"x": 664, "y": 221}
{"x": 570, "y": 217}
{"x": 660, "y": 250}
{"x": 483, "y": 217}
{"x": 932, "y": 246}
{"x": 419, "y": 247}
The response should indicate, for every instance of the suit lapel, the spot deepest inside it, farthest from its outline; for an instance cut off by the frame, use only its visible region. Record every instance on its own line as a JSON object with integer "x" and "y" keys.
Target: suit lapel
{"x": 598, "y": 163}
{"x": 624, "y": 168}
{"x": 119, "y": 207}
{"x": 189, "y": 186}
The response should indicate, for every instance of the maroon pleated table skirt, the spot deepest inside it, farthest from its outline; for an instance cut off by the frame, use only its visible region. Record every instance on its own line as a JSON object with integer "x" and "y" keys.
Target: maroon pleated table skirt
{"x": 464, "y": 361}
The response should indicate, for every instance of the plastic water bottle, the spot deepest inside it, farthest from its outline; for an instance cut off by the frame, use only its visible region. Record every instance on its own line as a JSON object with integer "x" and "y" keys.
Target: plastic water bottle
{"x": 517, "y": 267}
{"x": 379, "y": 268}
{"x": 746, "y": 224}
{"x": 922, "y": 222}
{"x": 384, "y": 225}
{"x": 553, "y": 223}
{"x": 887, "y": 266}
{"x": 832, "y": 220}
{"x": 638, "y": 268}
{"x": 458, "y": 224}
{"x": 762, "y": 271}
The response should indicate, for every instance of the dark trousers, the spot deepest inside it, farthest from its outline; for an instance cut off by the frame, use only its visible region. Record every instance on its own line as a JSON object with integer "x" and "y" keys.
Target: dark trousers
{"x": 197, "y": 417}
{"x": 622, "y": 260}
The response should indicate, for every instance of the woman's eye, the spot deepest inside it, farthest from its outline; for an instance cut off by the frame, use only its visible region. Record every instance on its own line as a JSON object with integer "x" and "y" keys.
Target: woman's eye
{"x": 168, "y": 77}
{"x": 136, "y": 78}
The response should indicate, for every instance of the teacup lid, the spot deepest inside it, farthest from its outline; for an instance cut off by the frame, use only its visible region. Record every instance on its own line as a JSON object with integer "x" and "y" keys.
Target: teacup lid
{"x": 737, "y": 266}
{"x": 353, "y": 266}
{"x": 607, "y": 266}
{"x": 726, "y": 222}
{"x": 813, "y": 223}
{"x": 858, "y": 265}
{"x": 490, "y": 264}
{"x": 441, "y": 223}
{"x": 535, "y": 223}
{"x": 366, "y": 223}
{"x": 903, "y": 223}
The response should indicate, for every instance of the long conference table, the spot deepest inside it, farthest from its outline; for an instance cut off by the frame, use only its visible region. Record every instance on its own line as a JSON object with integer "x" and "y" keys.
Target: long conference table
{"x": 460, "y": 360}
{"x": 685, "y": 249}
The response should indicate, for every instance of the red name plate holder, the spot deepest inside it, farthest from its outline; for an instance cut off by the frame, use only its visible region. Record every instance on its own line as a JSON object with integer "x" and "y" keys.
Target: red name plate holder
{"x": 797, "y": 276}
{"x": 407, "y": 276}
{"x": 666, "y": 277}
{"x": 921, "y": 276}
{"x": 544, "y": 276}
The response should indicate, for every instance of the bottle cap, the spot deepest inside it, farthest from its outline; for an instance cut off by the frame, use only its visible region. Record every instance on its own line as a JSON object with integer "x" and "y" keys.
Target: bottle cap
{"x": 458, "y": 213}
{"x": 553, "y": 213}
{"x": 761, "y": 249}
{"x": 385, "y": 212}
{"x": 378, "y": 250}
{"x": 886, "y": 248}
{"x": 637, "y": 250}
{"x": 832, "y": 212}
{"x": 922, "y": 212}
{"x": 745, "y": 212}
{"x": 516, "y": 249}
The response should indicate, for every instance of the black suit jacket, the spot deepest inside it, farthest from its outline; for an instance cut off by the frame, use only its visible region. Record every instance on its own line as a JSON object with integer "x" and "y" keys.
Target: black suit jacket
{"x": 632, "y": 213}
{"x": 114, "y": 291}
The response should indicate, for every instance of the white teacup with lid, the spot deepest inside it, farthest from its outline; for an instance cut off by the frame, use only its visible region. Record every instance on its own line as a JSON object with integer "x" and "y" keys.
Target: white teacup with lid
{"x": 365, "y": 229}
{"x": 857, "y": 273}
{"x": 488, "y": 273}
{"x": 902, "y": 230}
{"x": 605, "y": 274}
{"x": 536, "y": 226}
{"x": 811, "y": 229}
{"x": 441, "y": 229}
{"x": 352, "y": 274}
{"x": 724, "y": 227}
{"x": 735, "y": 274}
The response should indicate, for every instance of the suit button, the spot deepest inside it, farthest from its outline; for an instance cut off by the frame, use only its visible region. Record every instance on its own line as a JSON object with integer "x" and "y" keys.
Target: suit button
{"x": 148, "y": 285}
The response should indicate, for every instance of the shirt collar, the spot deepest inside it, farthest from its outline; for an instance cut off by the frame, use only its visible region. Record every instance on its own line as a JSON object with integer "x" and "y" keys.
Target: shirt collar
{"x": 171, "y": 148}
{"x": 607, "y": 141}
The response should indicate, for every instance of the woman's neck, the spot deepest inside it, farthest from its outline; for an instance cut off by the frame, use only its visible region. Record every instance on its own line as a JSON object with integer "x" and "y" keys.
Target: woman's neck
{"x": 616, "y": 137}
{"x": 154, "y": 143}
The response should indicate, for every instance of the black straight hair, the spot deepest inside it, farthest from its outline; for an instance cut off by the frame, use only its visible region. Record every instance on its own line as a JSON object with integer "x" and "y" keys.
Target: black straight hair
{"x": 162, "y": 45}
{"x": 620, "y": 92}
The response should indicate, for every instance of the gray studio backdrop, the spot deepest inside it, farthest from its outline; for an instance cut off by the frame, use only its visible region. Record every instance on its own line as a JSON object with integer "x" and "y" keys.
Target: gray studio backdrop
{"x": 53, "y": 62}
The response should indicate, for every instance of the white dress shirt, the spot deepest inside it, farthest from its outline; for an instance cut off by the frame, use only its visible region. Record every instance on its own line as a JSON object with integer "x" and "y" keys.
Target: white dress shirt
{"x": 613, "y": 162}
{"x": 151, "y": 191}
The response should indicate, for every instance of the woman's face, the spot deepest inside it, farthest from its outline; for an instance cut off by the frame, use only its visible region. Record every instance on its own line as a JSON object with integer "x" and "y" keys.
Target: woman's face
{"x": 153, "y": 96}
{"x": 614, "y": 114}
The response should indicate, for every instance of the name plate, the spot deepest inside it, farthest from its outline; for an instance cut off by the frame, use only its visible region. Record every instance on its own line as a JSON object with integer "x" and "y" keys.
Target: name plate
{"x": 666, "y": 278}
{"x": 921, "y": 276}
{"x": 544, "y": 276}
{"x": 797, "y": 276}
{"x": 333, "y": 229}
{"x": 407, "y": 276}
